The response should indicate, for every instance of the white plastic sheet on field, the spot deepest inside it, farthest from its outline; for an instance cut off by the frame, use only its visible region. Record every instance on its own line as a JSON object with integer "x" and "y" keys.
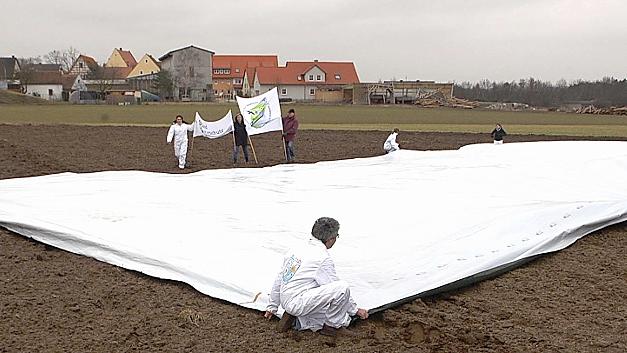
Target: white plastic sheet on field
{"x": 410, "y": 221}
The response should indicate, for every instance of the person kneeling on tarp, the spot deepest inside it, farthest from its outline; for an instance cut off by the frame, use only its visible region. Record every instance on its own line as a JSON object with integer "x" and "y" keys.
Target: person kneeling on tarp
{"x": 308, "y": 288}
{"x": 178, "y": 131}
{"x": 390, "y": 145}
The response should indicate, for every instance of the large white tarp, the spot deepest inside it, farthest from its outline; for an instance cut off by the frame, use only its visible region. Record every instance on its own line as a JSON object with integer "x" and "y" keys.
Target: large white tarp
{"x": 410, "y": 221}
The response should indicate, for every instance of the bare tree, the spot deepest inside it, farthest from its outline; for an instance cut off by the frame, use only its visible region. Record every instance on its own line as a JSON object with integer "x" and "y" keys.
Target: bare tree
{"x": 27, "y": 70}
{"x": 64, "y": 58}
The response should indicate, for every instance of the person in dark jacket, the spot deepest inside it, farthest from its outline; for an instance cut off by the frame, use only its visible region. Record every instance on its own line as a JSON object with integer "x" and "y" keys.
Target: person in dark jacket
{"x": 497, "y": 134}
{"x": 241, "y": 138}
{"x": 290, "y": 126}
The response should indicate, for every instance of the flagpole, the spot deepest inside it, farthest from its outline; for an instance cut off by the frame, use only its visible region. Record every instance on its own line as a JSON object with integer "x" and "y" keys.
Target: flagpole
{"x": 253, "y": 149}
{"x": 283, "y": 139}
{"x": 192, "y": 150}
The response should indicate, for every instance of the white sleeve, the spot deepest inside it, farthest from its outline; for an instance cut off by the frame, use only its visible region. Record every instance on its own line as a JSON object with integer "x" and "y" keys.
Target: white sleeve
{"x": 190, "y": 127}
{"x": 274, "y": 299}
{"x": 170, "y": 134}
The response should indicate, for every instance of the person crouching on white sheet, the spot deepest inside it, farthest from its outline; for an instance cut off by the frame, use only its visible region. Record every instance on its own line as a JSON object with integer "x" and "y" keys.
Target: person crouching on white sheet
{"x": 390, "y": 145}
{"x": 178, "y": 131}
{"x": 308, "y": 288}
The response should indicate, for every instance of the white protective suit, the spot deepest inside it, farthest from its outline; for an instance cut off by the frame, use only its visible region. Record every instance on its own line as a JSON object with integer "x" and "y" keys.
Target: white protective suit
{"x": 390, "y": 144}
{"x": 179, "y": 133}
{"x": 308, "y": 287}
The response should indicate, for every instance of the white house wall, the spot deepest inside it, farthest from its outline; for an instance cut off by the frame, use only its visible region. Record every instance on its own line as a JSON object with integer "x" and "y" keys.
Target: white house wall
{"x": 41, "y": 91}
{"x": 314, "y": 72}
{"x": 295, "y": 92}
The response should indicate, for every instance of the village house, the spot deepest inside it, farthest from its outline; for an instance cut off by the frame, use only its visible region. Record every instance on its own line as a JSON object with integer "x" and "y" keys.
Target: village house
{"x": 9, "y": 73}
{"x": 47, "y": 85}
{"x": 229, "y": 72}
{"x": 84, "y": 66}
{"x": 73, "y": 86}
{"x": 121, "y": 58}
{"x": 144, "y": 74}
{"x": 306, "y": 80}
{"x": 191, "y": 72}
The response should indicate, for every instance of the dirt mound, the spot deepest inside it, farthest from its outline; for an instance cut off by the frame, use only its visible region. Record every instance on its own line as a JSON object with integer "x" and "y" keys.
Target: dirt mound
{"x": 10, "y": 97}
{"x": 52, "y": 300}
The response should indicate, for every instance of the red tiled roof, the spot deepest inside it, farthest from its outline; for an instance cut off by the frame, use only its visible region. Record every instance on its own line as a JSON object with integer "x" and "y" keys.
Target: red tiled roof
{"x": 45, "y": 78}
{"x": 88, "y": 60}
{"x": 128, "y": 57}
{"x": 288, "y": 75}
{"x": 242, "y": 62}
{"x": 68, "y": 81}
{"x": 116, "y": 73}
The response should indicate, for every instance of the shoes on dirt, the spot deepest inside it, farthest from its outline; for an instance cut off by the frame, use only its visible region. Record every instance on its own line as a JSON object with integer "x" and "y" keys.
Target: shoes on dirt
{"x": 287, "y": 322}
{"x": 328, "y": 331}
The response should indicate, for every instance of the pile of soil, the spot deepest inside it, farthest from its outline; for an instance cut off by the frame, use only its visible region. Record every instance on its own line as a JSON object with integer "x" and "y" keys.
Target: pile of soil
{"x": 53, "y": 301}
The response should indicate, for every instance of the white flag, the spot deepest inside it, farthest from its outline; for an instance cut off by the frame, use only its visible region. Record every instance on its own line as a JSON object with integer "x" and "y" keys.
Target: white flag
{"x": 213, "y": 129}
{"x": 262, "y": 113}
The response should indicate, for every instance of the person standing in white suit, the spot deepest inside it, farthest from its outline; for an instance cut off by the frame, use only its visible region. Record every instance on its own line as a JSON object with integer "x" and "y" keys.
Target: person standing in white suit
{"x": 178, "y": 132}
{"x": 308, "y": 288}
{"x": 390, "y": 145}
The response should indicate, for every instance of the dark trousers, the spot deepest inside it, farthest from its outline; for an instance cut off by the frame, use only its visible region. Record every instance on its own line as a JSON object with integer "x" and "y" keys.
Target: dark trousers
{"x": 236, "y": 153}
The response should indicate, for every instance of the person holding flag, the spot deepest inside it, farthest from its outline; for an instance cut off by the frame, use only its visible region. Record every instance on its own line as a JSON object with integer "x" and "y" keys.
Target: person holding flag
{"x": 240, "y": 137}
{"x": 290, "y": 127}
{"x": 178, "y": 132}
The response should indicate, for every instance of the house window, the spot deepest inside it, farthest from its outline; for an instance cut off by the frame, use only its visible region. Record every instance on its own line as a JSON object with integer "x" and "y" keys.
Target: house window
{"x": 141, "y": 72}
{"x": 237, "y": 70}
{"x": 318, "y": 78}
{"x": 49, "y": 92}
{"x": 310, "y": 77}
{"x": 337, "y": 76}
{"x": 312, "y": 91}
{"x": 300, "y": 77}
{"x": 191, "y": 71}
{"x": 80, "y": 65}
{"x": 146, "y": 61}
{"x": 284, "y": 91}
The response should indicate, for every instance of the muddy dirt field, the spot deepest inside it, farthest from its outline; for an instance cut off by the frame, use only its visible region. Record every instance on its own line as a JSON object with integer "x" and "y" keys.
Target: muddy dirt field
{"x": 55, "y": 301}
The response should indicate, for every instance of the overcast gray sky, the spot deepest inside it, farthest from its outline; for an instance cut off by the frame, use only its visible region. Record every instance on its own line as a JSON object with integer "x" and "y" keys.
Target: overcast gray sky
{"x": 444, "y": 40}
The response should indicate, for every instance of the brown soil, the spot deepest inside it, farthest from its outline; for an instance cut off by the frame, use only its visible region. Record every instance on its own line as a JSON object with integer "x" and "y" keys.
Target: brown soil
{"x": 55, "y": 301}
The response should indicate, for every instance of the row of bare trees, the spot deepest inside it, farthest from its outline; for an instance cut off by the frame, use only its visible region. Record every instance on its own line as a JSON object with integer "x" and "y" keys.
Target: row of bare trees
{"x": 606, "y": 92}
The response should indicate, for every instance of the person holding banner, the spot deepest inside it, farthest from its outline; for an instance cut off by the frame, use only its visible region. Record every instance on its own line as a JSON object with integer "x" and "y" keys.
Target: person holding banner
{"x": 240, "y": 137}
{"x": 178, "y": 132}
{"x": 290, "y": 126}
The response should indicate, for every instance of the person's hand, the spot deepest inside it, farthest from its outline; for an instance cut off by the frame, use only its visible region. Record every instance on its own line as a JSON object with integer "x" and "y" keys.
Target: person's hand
{"x": 268, "y": 315}
{"x": 362, "y": 313}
